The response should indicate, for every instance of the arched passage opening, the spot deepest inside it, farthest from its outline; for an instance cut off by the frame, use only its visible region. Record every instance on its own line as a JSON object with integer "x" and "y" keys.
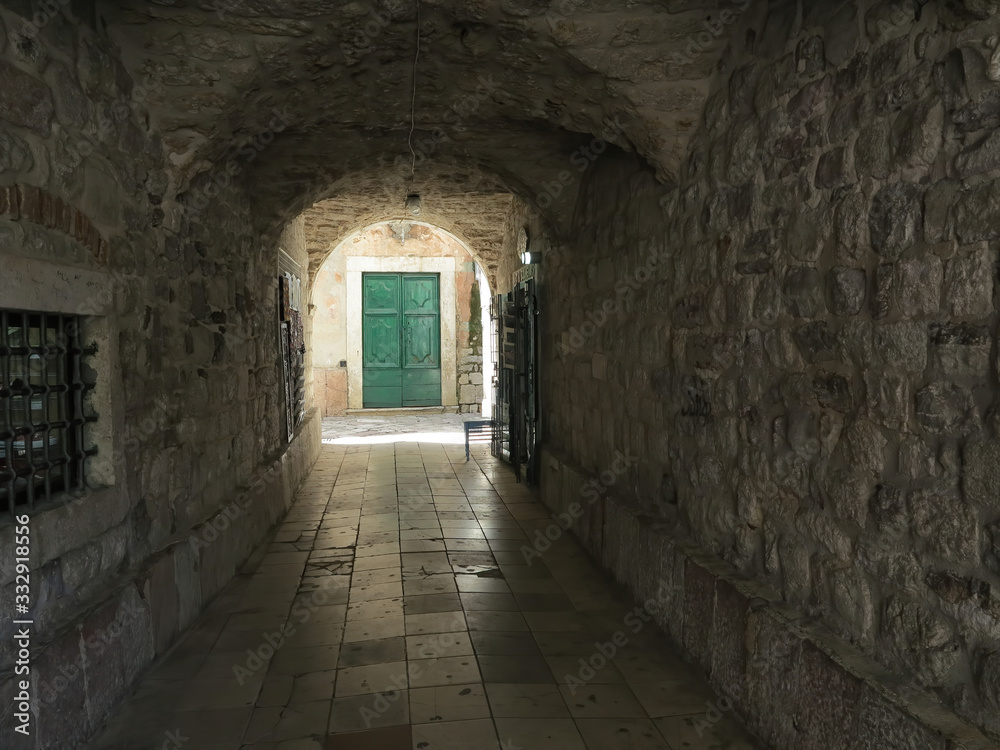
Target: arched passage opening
{"x": 346, "y": 335}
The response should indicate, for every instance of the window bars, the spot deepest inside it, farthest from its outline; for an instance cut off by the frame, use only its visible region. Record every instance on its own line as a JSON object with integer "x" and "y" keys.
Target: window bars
{"x": 42, "y": 419}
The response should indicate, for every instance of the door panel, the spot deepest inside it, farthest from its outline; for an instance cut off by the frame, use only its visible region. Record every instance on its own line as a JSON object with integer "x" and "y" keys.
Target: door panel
{"x": 420, "y": 341}
{"x": 381, "y": 340}
{"x": 402, "y": 340}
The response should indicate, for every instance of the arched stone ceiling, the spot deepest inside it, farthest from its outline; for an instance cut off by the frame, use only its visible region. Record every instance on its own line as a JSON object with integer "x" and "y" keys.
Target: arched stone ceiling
{"x": 477, "y": 219}
{"x": 508, "y": 91}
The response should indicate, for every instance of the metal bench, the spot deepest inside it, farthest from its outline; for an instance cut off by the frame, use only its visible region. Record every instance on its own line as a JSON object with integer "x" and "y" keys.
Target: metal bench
{"x": 477, "y": 427}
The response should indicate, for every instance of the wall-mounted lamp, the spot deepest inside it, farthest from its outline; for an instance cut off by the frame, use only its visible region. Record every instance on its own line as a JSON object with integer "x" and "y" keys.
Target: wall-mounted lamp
{"x": 413, "y": 204}
{"x": 529, "y": 258}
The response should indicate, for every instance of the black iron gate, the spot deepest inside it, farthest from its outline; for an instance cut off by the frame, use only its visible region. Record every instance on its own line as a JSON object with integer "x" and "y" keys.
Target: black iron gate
{"x": 515, "y": 393}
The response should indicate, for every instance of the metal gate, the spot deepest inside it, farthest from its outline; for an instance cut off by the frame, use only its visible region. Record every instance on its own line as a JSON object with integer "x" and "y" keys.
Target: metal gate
{"x": 515, "y": 392}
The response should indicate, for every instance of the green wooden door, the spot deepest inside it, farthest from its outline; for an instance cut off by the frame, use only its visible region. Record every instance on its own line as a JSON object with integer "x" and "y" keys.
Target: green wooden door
{"x": 402, "y": 340}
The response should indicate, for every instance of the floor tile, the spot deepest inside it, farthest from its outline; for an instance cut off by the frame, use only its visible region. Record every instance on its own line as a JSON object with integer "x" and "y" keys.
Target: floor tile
{"x": 389, "y": 738}
{"x": 412, "y": 621}
{"x": 596, "y": 701}
{"x": 436, "y": 622}
{"x": 278, "y": 724}
{"x": 456, "y": 735}
{"x": 498, "y": 643}
{"x": 425, "y": 604}
{"x": 445, "y": 670}
{"x": 523, "y": 668}
{"x": 377, "y": 651}
{"x": 448, "y": 703}
{"x": 551, "y": 734}
{"x": 526, "y": 700}
{"x": 623, "y": 734}
{"x": 700, "y": 732}
{"x": 372, "y": 678}
{"x": 368, "y": 630}
{"x": 432, "y": 645}
{"x": 490, "y": 620}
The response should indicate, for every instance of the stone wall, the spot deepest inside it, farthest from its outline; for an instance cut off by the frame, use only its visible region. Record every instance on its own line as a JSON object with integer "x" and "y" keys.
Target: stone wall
{"x": 384, "y": 247}
{"x": 795, "y": 351}
{"x": 178, "y": 295}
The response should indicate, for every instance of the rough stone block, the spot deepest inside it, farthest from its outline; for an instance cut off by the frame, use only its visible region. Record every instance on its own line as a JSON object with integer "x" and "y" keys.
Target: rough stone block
{"x": 25, "y": 101}
{"x": 829, "y": 700}
{"x": 939, "y": 201}
{"x": 872, "y": 150}
{"x": 896, "y": 215}
{"x": 160, "y": 590}
{"x": 917, "y": 133}
{"x": 832, "y": 169}
{"x": 15, "y": 154}
{"x": 728, "y": 642}
{"x": 947, "y": 409}
{"x": 981, "y": 474}
{"x": 816, "y": 342}
{"x": 977, "y": 213}
{"x": 969, "y": 283}
{"x": 889, "y": 398}
{"x": 846, "y": 289}
{"x": 919, "y": 285}
{"x": 63, "y": 693}
{"x": 902, "y": 345}
{"x": 882, "y": 724}
{"x": 989, "y": 679}
{"x": 699, "y": 612}
{"x": 882, "y": 299}
{"x": 945, "y": 526}
{"x": 888, "y": 508}
{"x": 774, "y": 675}
{"x": 802, "y": 292}
{"x": 982, "y": 156}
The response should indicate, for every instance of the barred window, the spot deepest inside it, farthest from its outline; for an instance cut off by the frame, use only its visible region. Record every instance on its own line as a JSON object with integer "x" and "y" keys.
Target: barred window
{"x": 42, "y": 390}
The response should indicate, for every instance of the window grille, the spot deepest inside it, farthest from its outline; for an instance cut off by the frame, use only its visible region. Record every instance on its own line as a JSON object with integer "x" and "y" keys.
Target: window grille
{"x": 42, "y": 451}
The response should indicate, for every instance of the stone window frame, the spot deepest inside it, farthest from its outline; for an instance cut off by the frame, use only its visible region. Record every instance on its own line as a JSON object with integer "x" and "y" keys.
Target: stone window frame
{"x": 47, "y": 286}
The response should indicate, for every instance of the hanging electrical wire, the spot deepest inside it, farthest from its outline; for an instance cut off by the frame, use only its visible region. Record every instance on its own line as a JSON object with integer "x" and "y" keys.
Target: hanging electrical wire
{"x": 413, "y": 100}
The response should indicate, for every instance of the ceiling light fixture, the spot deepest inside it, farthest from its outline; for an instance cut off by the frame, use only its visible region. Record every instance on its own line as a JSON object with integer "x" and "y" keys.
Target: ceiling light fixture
{"x": 413, "y": 204}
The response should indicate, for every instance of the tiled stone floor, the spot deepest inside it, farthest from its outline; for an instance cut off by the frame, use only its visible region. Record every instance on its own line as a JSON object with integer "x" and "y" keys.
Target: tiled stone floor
{"x": 439, "y": 428}
{"x": 393, "y": 610}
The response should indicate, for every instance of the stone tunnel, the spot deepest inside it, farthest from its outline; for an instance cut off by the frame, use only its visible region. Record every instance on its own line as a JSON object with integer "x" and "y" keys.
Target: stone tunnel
{"x": 754, "y": 244}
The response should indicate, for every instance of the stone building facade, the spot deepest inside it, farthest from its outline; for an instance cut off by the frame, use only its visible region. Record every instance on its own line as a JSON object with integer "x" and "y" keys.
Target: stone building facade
{"x": 337, "y": 315}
